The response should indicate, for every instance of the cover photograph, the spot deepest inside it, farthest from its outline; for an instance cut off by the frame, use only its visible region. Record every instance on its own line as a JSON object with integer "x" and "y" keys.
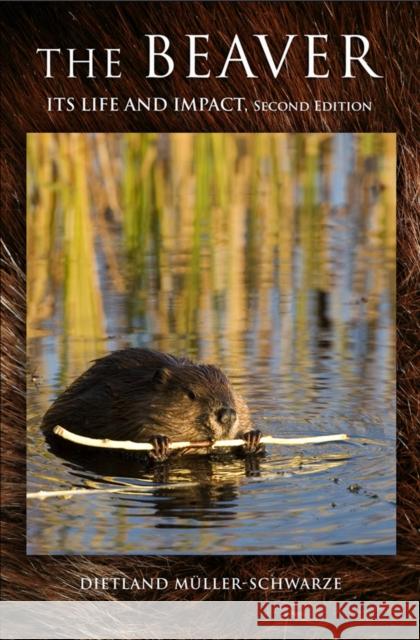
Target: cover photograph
{"x": 210, "y": 238}
{"x": 269, "y": 254}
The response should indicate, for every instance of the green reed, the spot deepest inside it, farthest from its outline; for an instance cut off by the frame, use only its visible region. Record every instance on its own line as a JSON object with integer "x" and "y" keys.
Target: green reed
{"x": 62, "y": 265}
{"x": 194, "y": 231}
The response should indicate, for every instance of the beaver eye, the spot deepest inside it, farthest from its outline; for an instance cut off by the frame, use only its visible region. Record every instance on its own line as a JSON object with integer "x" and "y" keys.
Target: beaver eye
{"x": 191, "y": 394}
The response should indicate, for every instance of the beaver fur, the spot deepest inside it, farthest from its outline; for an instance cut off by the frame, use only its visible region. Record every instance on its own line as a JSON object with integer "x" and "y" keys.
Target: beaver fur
{"x": 391, "y": 31}
{"x": 141, "y": 395}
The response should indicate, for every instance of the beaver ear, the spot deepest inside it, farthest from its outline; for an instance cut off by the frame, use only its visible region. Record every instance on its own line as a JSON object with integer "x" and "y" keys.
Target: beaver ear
{"x": 162, "y": 376}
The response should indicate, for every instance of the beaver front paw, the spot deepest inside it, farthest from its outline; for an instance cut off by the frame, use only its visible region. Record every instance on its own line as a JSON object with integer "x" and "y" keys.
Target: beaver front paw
{"x": 252, "y": 441}
{"x": 160, "y": 450}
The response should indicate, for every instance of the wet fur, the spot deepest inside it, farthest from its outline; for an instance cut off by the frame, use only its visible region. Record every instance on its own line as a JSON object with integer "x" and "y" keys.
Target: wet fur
{"x": 135, "y": 394}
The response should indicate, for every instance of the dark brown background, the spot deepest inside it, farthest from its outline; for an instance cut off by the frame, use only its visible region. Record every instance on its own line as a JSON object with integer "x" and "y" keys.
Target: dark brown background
{"x": 391, "y": 28}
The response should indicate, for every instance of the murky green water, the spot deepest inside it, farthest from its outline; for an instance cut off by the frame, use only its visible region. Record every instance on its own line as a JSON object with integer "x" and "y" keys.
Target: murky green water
{"x": 272, "y": 256}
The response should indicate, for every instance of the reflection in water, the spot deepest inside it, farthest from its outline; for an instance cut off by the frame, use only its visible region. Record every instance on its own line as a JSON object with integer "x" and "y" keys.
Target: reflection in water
{"x": 271, "y": 255}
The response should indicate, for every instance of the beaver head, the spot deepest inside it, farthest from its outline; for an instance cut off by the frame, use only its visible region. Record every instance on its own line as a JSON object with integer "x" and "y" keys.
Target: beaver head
{"x": 199, "y": 397}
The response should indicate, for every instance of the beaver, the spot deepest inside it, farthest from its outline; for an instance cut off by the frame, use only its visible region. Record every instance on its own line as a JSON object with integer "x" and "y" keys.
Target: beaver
{"x": 143, "y": 395}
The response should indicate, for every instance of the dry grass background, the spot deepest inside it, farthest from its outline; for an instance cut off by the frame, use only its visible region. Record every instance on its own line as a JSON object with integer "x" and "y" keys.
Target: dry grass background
{"x": 391, "y": 30}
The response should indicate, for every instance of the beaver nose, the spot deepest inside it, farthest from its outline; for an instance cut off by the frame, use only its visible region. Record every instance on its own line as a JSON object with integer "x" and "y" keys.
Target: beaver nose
{"x": 226, "y": 416}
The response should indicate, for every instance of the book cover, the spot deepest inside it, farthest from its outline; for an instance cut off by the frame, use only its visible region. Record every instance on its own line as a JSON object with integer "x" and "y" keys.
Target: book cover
{"x": 209, "y": 256}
